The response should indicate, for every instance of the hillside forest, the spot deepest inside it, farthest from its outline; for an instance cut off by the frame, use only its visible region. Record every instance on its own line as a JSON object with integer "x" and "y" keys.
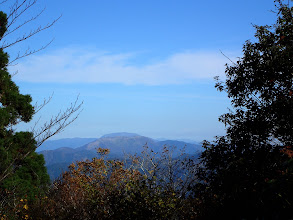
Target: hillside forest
{"x": 245, "y": 174}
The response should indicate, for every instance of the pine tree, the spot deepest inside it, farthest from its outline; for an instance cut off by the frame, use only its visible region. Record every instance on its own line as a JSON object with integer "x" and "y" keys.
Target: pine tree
{"x": 22, "y": 171}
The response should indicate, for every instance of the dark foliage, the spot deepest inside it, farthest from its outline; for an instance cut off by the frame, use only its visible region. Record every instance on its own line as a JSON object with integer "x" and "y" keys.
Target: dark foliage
{"x": 145, "y": 187}
{"x": 247, "y": 174}
{"x": 22, "y": 171}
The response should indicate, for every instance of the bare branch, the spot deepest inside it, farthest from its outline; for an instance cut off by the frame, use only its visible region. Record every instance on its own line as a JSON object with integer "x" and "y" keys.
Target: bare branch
{"x": 38, "y": 107}
{"x": 58, "y": 123}
{"x": 29, "y": 35}
{"x": 3, "y": 2}
{"x": 8, "y": 170}
{"x": 227, "y": 58}
{"x": 21, "y": 25}
{"x": 14, "y": 12}
{"x": 15, "y": 73}
{"x": 28, "y": 52}
{"x": 15, "y": 23}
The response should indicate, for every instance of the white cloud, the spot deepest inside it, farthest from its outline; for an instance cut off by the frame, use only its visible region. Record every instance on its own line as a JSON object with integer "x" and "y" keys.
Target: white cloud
{"x": 74, "y": 65}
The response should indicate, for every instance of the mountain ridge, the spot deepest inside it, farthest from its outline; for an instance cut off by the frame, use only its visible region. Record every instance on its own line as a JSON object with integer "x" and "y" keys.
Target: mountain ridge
{"x": 120, "y": 134}
{"x": 64, "y": 142}
{"x": 119, "y": 144}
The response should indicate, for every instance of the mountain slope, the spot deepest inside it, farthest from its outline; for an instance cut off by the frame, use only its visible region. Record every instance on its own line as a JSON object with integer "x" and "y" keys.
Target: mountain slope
{"x": 66, "y": 142}
{"x": 119, "y": 145}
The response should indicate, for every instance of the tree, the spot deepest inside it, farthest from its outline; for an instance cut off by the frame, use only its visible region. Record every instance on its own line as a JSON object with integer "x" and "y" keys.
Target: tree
{"x": 22, "y": 170}
{"x": 13, "y": 32}
{"x": 146, "y": 186}
{"x": 248, "y": 172}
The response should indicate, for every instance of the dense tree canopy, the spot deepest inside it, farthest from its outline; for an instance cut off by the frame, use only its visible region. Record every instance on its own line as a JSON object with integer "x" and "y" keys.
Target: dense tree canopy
{"x": 148, "y": 186}
{"x": 248, "y": 172}
{"x": 22, "y": 171}
{"x": 23, "y": 175}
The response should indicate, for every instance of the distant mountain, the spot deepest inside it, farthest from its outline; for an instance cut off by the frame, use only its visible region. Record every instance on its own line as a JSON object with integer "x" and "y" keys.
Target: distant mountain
{"x": 120, "y": 134}
{"x": 119, "y": 145}
{"x": 67, "y": 142}
{"x": 66, "y": 155}
{"x": 189, "y": 141}
{"x": 56, "y": 169}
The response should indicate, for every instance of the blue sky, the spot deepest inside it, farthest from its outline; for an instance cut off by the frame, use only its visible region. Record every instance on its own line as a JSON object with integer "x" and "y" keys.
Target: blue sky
{"x": 139, "y": 66}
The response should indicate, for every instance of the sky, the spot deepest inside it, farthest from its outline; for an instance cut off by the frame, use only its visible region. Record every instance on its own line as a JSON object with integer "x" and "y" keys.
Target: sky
{"x": 141, "y": 66}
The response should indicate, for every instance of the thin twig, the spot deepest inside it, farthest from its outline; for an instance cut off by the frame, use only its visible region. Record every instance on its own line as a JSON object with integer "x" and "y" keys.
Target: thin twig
{"x": 227, "y": 58}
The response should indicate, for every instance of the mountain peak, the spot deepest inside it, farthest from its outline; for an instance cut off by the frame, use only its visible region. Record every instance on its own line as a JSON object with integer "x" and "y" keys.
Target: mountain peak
{"x": 120, "y": 134}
